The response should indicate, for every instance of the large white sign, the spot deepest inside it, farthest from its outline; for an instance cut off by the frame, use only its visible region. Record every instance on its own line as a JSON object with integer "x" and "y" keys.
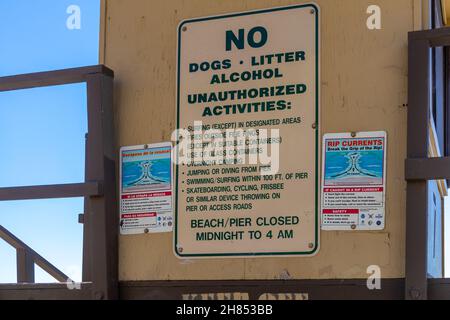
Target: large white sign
{"x": 253, "y": 78}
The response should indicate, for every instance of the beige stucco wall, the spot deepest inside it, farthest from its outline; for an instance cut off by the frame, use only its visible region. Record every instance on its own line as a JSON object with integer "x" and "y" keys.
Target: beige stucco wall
{"x": 364, "y": 88}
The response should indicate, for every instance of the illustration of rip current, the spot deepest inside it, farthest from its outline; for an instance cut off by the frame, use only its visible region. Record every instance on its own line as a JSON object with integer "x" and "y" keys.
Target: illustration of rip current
{"x": 144, "y": 173}
{"x": 348, "y": 166}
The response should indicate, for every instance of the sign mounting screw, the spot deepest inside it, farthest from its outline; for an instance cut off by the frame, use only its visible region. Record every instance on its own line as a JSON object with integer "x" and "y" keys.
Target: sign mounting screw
{"x": 184, "y": 28}
{"x": 353, "y": 134}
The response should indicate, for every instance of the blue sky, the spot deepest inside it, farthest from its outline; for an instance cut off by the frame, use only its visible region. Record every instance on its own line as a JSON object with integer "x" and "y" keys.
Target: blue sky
{"x": 42, "y": 130}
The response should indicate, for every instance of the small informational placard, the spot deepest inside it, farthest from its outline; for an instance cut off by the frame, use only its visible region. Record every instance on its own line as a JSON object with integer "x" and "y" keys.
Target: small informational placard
{"x": 354, "y": 181}
{"x": 146, "y": 189}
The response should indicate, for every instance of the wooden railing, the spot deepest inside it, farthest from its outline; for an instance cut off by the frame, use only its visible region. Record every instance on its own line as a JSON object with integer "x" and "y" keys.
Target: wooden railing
{"x": 100, "y": 222}
{"x": 27, "y": 258}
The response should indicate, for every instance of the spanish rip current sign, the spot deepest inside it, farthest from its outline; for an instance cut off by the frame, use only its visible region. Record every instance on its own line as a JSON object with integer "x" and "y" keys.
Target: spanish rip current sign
{"x": 259, "y": 71}
{"x": 146, "y": 189}
{"x": 354, "y": 181}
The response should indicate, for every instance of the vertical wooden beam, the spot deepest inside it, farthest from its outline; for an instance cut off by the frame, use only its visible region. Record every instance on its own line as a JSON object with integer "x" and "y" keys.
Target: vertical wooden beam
{"x": 25, "y": 266}
{"x": 102, "y": 211}
{"x": 417, "y": 191}
{"x": 87, "y": 264}
{"x": 446, "y": 149}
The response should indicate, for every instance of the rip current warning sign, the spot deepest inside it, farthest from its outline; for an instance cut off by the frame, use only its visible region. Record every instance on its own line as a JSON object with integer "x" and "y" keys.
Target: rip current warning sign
{"x": 146, "y": 189}
{"x": 354, "y": 181}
